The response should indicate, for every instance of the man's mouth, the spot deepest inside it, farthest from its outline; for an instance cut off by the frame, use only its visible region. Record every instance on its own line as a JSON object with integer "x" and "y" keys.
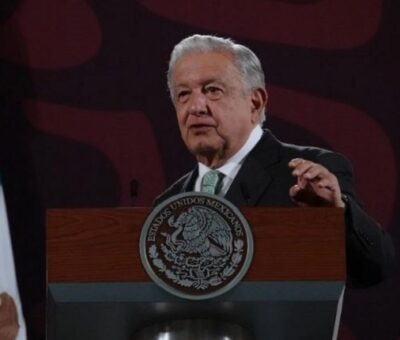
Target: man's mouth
{"x": 200, "y": 128}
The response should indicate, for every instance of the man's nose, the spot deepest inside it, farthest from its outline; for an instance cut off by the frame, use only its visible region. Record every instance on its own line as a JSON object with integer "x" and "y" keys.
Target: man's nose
{"x": 197, "y": 104}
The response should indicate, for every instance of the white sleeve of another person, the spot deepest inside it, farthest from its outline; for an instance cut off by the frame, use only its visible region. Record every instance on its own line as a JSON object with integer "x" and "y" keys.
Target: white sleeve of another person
{"x": 8, "y": 282}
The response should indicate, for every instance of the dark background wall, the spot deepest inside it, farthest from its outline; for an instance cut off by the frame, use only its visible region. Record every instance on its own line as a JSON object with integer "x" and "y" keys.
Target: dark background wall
{"x": 86, "y": 120}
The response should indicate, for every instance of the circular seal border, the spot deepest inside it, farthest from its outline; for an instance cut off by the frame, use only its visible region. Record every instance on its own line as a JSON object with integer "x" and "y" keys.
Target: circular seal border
{"x": 174, "y": 291}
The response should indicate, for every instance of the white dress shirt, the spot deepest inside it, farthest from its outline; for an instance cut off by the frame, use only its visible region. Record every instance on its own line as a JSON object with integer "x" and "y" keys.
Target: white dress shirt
{"x": 231, "y": 168}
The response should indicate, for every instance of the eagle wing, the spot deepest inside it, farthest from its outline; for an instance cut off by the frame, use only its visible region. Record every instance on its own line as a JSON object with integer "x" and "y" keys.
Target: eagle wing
{"x": 220, "y": 233}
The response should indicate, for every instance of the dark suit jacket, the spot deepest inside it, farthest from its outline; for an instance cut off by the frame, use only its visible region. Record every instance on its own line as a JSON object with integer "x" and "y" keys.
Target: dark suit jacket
{"x": 264, "y": 180}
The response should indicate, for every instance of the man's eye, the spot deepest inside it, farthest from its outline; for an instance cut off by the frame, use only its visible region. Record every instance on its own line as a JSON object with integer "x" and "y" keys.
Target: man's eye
{"x": 182, "y": 96}
{"x": 214, "y": 92}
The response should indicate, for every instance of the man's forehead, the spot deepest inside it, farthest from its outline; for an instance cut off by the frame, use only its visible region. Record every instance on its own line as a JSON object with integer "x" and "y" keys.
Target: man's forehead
{"x": 203, "y": 64}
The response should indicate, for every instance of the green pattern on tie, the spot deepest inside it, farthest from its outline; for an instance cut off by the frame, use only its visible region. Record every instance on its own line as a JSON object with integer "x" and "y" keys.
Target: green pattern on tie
{"x": 211, "y": 182}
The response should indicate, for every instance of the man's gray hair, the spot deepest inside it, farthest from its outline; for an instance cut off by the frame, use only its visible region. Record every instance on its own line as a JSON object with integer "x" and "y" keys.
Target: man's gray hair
{"x": 247, "y": 63}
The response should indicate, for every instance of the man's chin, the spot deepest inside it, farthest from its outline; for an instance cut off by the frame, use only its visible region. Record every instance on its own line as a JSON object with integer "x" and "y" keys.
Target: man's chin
{"x": 207, "y": 150}
{"x": 203, "y": 150}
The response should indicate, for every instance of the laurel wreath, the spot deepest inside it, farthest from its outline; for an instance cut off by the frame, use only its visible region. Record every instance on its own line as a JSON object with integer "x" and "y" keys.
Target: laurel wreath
{"x": 199, "y": 284}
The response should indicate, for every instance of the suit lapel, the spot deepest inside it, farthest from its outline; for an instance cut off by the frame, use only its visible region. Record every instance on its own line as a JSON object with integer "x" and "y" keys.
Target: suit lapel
{"x": 188, "y": 184}
{"x": 256, "y": 173}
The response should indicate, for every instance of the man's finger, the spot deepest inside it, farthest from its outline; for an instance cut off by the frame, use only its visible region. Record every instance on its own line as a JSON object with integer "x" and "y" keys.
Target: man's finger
{"x": 295, "y": 193}
{"x": 302, "y": 182}
{"x": 302, "y": 167}
{"x": 294, "y": 190}
{"x": 316, "y": 171}
{"x": 323, "y": 184}
{"x": 295, "y": 161}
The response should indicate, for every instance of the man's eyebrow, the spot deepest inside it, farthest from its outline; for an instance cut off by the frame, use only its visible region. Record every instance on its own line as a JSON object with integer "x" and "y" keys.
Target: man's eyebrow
{"x": 214, "y": 81}
{"x": 180, "y": 87}
{"x": 204, "y": 82}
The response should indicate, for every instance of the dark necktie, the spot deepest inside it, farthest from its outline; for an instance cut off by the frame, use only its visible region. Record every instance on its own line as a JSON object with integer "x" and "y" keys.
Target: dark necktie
{"x": 212, "y": 182}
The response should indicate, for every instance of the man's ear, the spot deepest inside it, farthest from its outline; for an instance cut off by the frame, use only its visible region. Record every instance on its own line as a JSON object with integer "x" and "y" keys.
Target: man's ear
{"x": 259, "y": 99}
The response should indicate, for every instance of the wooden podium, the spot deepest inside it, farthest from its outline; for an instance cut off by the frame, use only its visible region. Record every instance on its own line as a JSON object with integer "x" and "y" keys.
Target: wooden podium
{"x": 98, "y": 288}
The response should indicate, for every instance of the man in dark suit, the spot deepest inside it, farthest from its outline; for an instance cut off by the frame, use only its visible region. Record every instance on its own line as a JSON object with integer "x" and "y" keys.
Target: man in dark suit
{"x": 218, "y": 90}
